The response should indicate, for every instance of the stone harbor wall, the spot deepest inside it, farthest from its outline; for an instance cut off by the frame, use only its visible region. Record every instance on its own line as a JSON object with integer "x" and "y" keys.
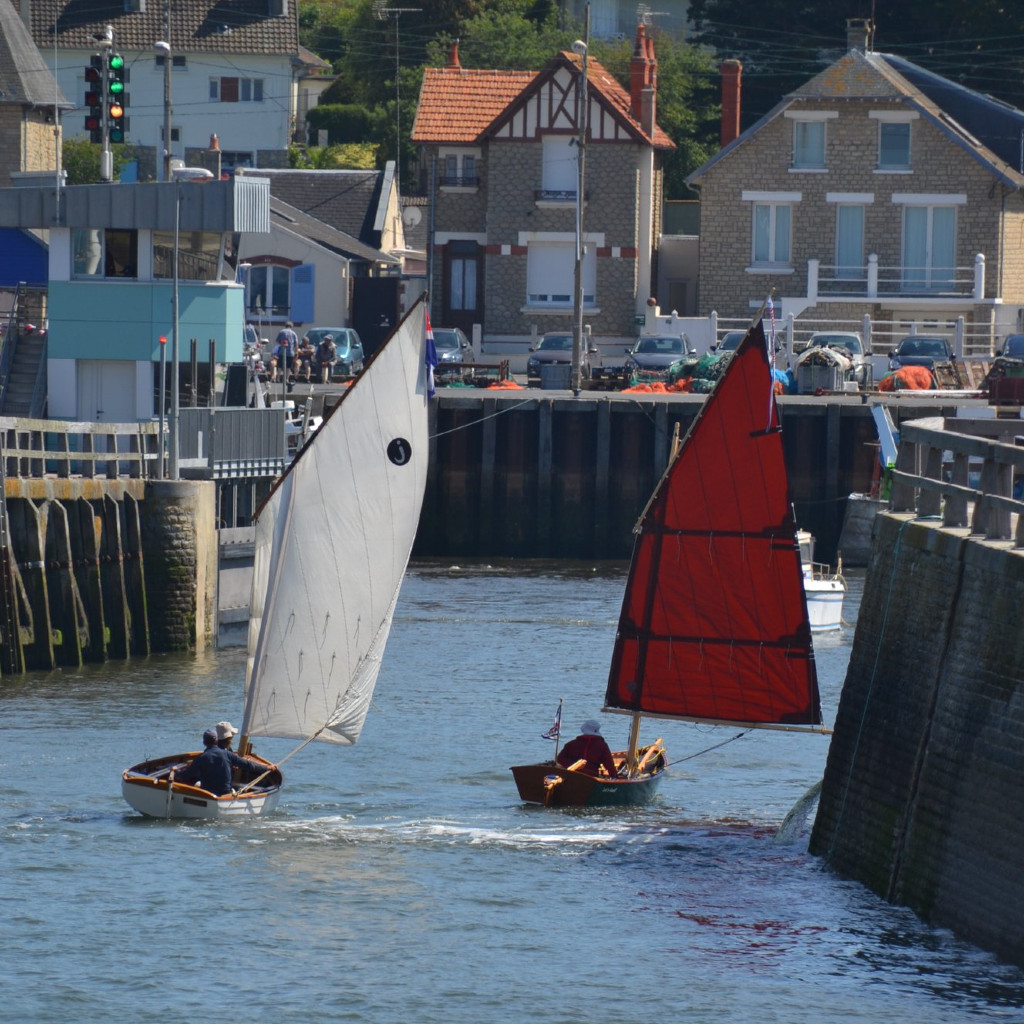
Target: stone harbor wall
{"x": 924, "y": 788}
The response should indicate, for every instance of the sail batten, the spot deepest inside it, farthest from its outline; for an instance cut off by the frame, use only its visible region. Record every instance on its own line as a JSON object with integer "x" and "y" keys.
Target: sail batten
{"x": 714, "y": 623}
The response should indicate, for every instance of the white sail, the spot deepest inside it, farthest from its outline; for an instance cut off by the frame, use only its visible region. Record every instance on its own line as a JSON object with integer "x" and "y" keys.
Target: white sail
{"x": 332, "y": 545}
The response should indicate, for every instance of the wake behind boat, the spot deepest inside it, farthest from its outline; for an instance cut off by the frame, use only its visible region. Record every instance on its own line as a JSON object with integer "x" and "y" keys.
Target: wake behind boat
{"x": 333, "y": 540}
{"x": 714, "y": 624}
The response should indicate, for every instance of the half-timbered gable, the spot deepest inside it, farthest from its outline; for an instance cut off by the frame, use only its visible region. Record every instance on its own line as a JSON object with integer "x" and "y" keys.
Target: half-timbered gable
{"x": 499, "y": 156}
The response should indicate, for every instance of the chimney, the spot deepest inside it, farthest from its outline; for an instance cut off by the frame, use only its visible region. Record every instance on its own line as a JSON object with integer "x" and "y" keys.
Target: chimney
{"x": 453, "y": 57}
{"x": 639, "y": 73}
{"x": 858, "y": 31}
{"x": 732, "y": 72}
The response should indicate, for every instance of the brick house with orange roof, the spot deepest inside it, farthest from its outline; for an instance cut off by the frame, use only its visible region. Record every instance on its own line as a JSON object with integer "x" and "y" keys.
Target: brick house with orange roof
{"x": 498, "y": 163}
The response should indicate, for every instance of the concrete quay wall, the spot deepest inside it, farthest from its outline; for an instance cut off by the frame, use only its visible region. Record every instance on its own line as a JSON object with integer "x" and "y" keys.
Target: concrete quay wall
{"x": 924, "y": 784}
{"x": 543, "y": 474}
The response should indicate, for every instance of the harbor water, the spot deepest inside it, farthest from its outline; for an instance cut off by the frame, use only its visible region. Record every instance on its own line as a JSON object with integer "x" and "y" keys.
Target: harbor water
{"x": 401, "y": 881}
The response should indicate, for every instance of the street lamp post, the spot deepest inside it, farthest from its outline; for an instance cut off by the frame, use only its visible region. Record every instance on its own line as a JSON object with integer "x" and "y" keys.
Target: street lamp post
{"x": 580, "y": 47}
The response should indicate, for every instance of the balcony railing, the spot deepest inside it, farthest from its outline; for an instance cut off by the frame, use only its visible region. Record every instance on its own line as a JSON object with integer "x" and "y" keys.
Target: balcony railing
{"x": 459, "y": 181}
{"x": 557, "y": 195}
{"x": 873, "y": 281}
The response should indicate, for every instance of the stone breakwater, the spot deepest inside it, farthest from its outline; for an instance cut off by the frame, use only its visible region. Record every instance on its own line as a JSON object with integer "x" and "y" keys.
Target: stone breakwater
{"x": 924, "y": 785}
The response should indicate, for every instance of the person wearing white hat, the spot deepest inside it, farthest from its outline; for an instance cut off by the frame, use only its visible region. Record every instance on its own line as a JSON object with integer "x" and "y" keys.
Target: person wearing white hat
{"x": 225, "y": 733}
{"x": 589, "y": 746}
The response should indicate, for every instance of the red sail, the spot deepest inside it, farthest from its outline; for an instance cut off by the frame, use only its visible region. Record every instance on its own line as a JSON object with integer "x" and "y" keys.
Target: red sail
{"x": 714, "y": 620}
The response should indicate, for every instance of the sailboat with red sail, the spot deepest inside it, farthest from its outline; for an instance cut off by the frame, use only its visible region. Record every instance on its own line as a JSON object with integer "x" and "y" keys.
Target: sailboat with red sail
{"x": 714, "y": 625}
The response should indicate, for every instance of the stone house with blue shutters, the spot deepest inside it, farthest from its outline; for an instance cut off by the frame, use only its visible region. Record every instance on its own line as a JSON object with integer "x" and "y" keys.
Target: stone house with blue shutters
{"x": 877, "y": 189}
{"x": 498, "y": 162}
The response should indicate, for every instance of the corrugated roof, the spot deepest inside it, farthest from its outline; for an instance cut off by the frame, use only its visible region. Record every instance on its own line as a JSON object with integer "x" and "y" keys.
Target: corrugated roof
{"x": 219, "y": 26}
{"x": 24, "y": 78}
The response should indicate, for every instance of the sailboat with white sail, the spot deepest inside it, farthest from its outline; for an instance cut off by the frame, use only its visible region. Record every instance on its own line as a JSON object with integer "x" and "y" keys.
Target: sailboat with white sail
{"x": 714, "y": 625}
{"x": 333, "y": 540}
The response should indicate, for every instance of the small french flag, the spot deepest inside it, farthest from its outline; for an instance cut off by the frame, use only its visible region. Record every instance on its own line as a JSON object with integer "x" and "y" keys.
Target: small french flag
{"x": 431, "y": 360}
{"x": 556, "y": 730}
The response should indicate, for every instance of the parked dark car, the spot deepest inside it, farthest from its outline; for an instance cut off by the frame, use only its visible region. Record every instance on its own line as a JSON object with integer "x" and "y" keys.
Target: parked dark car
{"x": 850, "y": 345}
{"x": 920, "y": 350}
{"x": 556, "y": 347}
{"x": 451, "y": 344}
{"x": 346, "y": 342}
{"x": 656, "y": 353}
{"x": 1013, "y": 347}
{"x": 729, "y": 342}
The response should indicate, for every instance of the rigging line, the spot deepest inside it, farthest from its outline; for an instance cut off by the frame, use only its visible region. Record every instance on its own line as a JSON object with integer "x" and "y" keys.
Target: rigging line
{"x": 707, "y": 750}
{"x": 304, "y": 743}
{"x": 483, "y": 419}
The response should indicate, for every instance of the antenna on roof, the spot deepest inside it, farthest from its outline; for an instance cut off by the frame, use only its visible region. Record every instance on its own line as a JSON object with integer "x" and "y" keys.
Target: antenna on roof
{"x": 644, "y": 14}
{"x": 382, "y": 12}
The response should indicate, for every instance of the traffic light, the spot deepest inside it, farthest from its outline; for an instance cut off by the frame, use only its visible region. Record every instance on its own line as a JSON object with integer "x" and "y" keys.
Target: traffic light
{"x": 94, "y": 98}
{"x": 117, "y": 98}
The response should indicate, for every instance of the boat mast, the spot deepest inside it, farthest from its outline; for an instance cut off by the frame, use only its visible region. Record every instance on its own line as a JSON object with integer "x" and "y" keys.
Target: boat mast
{"x": 580, "y": 47}
{"x": 634, "y": 729}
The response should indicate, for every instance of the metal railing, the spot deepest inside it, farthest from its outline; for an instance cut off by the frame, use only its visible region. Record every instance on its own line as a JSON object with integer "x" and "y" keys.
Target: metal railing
{"x": 872, "y": 280}
{"x": 966, "y": 472}
{"x": 33, "y": 449}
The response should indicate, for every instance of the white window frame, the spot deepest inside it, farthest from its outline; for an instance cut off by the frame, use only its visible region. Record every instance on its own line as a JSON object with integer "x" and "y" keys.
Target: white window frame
{"x": 803, "y": 160}
{"x": 551, "y": 270}
{"x": 770, "y": 204}
{"x": 559, "y": 168}
{"x": 465, "y": 163}
{"x": 930, "y": 276}
{"x": 250, "y": 90}
{"x": 894, "y": 117}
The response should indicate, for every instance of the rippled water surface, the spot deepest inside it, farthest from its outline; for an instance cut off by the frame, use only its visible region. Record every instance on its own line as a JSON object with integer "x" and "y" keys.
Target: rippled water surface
{"x": 402, "y": 881}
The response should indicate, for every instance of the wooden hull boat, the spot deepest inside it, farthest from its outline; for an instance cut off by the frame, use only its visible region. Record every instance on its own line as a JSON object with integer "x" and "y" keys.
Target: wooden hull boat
{"x": 552, "y": 785}
{"x": 146, "y": 788}
{"x": 714, "y": 626}
{"x": 333, "y": 539}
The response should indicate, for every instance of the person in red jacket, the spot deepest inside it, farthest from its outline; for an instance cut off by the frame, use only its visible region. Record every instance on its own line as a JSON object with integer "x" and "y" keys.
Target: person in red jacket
{"x": 590, "y": 745}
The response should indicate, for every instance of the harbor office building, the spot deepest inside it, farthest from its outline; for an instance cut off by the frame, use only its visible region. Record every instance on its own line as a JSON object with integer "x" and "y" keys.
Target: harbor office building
{"x": 112, "y": 284}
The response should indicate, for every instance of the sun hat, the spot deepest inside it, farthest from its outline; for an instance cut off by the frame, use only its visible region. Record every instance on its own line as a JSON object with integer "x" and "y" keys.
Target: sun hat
{"x": 591, "y": 728}
{"x": 225, "y": 730}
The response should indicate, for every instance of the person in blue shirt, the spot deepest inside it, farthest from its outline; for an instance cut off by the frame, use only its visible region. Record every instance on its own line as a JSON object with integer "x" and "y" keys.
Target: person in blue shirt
{"x": 211, "y": 769}
{"x": 285, "y": 346}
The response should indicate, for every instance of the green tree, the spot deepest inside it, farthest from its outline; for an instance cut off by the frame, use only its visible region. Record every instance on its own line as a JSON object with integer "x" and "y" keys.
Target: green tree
{"x": 81, "y": 159}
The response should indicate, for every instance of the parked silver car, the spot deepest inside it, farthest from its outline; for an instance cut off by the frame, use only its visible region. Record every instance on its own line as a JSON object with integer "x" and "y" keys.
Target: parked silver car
{"x": 849, "y": 344}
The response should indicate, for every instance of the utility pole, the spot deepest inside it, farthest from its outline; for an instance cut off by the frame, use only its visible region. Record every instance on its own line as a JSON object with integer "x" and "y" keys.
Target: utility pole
{"x": 164, "y": 47}
{"x": 580, "y": 47}
{"x": 382, "y": 12}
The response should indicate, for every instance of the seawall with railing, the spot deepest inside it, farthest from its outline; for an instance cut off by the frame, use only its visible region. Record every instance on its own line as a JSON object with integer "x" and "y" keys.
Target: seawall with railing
{"x": 925, "y": 777}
